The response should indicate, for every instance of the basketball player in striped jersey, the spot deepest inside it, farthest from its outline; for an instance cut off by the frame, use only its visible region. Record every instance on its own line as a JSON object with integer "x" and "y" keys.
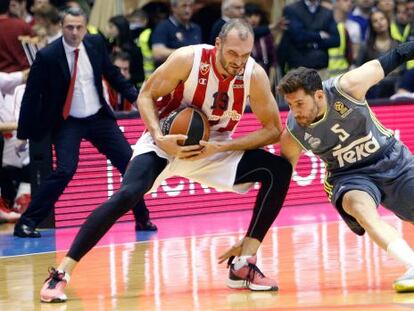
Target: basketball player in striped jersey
{"x": 220, "y": 81}
{"x": 366, "y": 165}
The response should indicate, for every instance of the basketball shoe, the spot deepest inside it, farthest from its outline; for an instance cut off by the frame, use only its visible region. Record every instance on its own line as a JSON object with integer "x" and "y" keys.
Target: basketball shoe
{"x": 250, "y": 276}
{"x": 54, "y": 286}
{"x": 405, "y": 283}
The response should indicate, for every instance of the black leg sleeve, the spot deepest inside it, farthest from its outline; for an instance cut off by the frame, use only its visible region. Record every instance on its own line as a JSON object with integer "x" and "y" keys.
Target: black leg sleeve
{"x": 138, "y": 179}
{"x": 274, "y": 174}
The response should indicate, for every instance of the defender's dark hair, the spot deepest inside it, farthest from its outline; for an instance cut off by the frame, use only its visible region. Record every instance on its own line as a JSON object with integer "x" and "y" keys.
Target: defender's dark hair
{"x": 300, "y": 78}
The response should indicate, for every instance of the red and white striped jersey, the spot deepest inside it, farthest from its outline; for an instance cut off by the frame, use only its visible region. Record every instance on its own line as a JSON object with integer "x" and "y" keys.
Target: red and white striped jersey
{"x": 222, "y": 100}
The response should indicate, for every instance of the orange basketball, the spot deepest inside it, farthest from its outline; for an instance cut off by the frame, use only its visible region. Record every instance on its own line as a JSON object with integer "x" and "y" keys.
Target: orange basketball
{"x": 188, "y": 121}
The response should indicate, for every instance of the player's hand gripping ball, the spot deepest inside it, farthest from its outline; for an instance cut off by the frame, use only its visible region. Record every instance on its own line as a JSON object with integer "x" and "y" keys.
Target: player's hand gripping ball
{"x": 187, "y": 121}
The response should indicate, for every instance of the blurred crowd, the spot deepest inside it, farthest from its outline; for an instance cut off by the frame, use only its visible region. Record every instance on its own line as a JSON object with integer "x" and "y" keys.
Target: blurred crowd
{"x": 331, "y": 36}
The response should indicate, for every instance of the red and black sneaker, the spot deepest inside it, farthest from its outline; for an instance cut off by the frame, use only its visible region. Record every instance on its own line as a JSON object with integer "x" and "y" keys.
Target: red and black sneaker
{"x": 249, "y": 276}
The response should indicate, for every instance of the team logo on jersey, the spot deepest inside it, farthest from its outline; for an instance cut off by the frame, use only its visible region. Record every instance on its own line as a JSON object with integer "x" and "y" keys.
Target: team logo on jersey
{"x": 314, "y": 142}
{"x": 356, "y": 151}
{"x": 342, "y": 109}
{"x": 202, "y": 81}
{"x": 204, "y": 68}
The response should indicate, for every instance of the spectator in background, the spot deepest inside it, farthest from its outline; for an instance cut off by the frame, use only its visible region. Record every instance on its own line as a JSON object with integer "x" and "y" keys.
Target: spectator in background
{"x": 176, "y": 31}
{"x": 342, "y": 9}
{"x": 155, "y": 12}
{"x": 360, "y": 14}
{"x": 119, "y": 39}
{"x": 9, "y": 183}
{"x": 141, "y": 33}
{"x": 48, "y": 23}
{"x": 341, "y": 57}
{"x": 311, "y": 32}
{"x": 264, "y": 47}
{"x": 229, "y": 9}
{"x": 207, "y": 11}
{"x": 12, "y": 56}
{"x": 378, "y": 43}
{"x": 401, "y": 26}
{"x": 388, "y": 7}
{"x": 38, "y": 4}
{"x": 138, "y": 22}
{"x": 18, "y": 8}
{"x": 410, "y": 10}
{"x": 117, "y": 101}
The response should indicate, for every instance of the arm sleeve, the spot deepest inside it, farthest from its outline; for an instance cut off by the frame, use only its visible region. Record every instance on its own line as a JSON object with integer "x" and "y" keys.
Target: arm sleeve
{"x": 397, "y": 56}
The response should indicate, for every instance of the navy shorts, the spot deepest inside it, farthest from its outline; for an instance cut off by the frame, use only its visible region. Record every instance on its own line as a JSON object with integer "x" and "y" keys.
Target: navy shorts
{"x": 389, "y": 181}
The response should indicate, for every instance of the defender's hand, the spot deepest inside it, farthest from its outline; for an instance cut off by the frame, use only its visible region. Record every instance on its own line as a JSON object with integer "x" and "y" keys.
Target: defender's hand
{"x": 207, "y": 149}
{"x": 169, "y": 143}
{"x": 234, "y": 251}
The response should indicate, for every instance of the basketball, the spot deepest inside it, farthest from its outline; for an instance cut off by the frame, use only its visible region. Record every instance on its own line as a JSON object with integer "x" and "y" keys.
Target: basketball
{"x": 187, "y": 121}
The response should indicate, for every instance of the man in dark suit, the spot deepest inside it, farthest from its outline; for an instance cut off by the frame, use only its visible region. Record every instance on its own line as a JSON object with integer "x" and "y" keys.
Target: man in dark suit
{"x": 64, "y": 99}
{"x": 311, "y": 31}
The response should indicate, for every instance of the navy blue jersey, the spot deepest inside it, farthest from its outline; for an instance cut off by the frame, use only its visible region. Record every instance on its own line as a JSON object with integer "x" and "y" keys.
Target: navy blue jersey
{"x": 349, "y": 134}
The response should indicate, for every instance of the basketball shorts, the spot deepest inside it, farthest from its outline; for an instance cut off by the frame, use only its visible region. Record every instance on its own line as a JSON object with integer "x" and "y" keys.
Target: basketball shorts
{"x": 389, "y": 181}
{"x": 217, "y": 171}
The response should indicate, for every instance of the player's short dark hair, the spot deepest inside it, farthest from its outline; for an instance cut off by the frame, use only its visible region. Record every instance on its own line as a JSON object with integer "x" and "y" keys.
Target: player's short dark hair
{"x": 240, "y": 25}
{"x": 4, "y": 6}
{"x": 301, "y": 78}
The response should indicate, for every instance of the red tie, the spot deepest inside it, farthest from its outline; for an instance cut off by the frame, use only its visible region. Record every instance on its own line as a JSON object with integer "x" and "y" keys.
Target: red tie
{"x": 69, "y": 96}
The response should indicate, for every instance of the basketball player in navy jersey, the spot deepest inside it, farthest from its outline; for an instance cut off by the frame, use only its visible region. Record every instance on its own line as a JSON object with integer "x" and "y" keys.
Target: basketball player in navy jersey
{"x": 218, "y": 80}
{"x": 366, "y": 165}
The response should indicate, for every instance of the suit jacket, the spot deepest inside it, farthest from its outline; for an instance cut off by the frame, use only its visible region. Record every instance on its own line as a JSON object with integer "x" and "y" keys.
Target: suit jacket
{"x": 302, "y": 44}
{"x": 48, "y": 84}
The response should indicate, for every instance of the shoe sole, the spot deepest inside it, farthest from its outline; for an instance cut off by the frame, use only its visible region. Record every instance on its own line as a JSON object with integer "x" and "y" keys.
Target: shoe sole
{"x": 404, "y": 286}
{"x": 241, "y": 284}
{"x": 54, "y": 300}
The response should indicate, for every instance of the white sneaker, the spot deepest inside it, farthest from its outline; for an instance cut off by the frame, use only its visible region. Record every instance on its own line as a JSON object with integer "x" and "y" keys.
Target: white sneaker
{"x": 405, "y": 283}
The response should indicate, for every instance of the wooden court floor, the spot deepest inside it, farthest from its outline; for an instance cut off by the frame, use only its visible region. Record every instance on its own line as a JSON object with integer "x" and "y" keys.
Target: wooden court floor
{"x": 319, "y": 266}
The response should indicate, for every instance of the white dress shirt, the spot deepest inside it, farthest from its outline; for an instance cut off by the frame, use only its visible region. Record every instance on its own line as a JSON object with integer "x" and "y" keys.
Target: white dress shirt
{"x": 85, "y": 101}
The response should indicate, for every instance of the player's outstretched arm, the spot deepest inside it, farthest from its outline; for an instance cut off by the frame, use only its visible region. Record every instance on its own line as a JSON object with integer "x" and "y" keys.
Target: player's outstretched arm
{"x": 357, "y": 82}
{"x": 289, "y": 147}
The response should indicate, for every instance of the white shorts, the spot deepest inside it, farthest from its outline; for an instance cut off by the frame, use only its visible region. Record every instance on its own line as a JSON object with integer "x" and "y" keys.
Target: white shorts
{"x": 217, "y": 171}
